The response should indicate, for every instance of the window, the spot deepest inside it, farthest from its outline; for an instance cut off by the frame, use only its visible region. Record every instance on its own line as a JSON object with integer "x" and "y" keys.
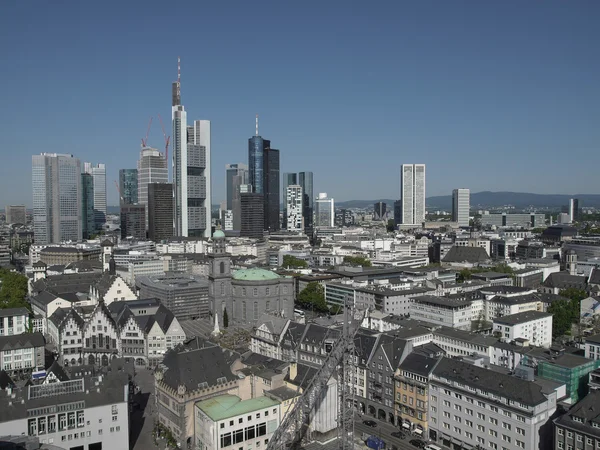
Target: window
{"x": 521, "y": 431}
{"x": 493, "y": 421}
{"x": 481, "y": 428}
{"x": 561, "y": 445}
{"x": 560, "y": 431}
{"x": 579, "y": 438}
{"x": 506, "y": 438}
{"x": 480, "y": 416}
{"x": 506, "y": 426}
{"x": 493, "y": 433}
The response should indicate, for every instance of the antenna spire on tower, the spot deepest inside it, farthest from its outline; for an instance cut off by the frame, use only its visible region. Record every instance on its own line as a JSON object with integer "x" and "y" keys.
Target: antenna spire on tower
{"x": 257, "y": 124}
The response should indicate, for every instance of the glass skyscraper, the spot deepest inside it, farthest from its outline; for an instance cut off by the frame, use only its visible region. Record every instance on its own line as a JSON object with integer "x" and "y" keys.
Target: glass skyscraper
{"x": 256, "y": 161}
{"x": 128, "y": 185}
{"x": 152, "y": 168}
{"x": 305, "y": 179}
{"x": 88, "y": 220}
{"x": 233, "y": 170}
{"x": 98, "y": 173}
{"x": 56, "y": 183}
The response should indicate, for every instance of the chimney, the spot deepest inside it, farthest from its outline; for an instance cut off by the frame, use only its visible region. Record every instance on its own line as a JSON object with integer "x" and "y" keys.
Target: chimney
{"x": 293, "y": 371}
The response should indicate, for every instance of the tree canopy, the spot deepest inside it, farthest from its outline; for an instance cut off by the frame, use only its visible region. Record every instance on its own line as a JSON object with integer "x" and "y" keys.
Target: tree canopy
{"x": 13, "y": 290}
{"x": 292, "y": 262}
{"x": 566, "y": 312}
{"x": 358, "y": 261}
{"x": 466, "y": 274}
{"x": 313, "y": 297}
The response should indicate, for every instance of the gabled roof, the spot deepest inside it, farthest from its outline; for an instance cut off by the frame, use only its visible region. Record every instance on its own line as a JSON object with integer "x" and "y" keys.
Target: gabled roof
{"x": 20, "y": 341}
{"x": 564, "y": 280}
{"x": 276, "y": 325}
{"x": 466, "y": 254}
{"x": 163, "y": 317}
{"x": 62, "y": 315}
{"x": 66, "y": 283}
{"x": 58, "y": 371}
{"x": 8, "y": 312}
{"x": 418, "y": 364}
{"x": 6, "y": 380}
{"x": 104, "y": 284}
{"x": 101, "y": 306}
{"x": 595, "y": 276}
{"x": 587, "y": 410}
{"x": 293, "y": 335}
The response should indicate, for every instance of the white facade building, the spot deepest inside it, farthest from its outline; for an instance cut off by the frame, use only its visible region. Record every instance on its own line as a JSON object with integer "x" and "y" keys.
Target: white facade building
{"x": 324, "y": 211}
{"x": 442, "y": 311}
{"x": 152, "y": 168}
{"x": 13, "y": 321}
{"x": 534, "y": 326}
{"x": 461, "y": 204}
{"x": 412, "y": 193}
{"x": 294, "y": 205}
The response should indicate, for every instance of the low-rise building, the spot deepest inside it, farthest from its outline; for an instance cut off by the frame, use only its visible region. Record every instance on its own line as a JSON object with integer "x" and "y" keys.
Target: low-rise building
{"x": 22, "y": 353}
{"x": 534, "y": 326}
{"x": 228, "y": 421}
{"x": 13, "y": 321}
{"x": 592, "y": 347}
{"x": 579, "y": 427}
{"x": 443, "y": 311}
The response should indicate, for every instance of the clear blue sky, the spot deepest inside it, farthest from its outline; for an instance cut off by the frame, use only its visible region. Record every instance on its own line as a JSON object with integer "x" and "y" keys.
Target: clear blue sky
{"x": 500, "y": 95}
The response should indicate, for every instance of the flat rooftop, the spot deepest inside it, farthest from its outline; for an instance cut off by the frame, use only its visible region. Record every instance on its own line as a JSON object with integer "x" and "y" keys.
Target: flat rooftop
{"x": 226, "y": 406}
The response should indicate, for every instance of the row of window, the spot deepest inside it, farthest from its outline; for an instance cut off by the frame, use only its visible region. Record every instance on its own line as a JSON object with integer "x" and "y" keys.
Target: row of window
{"x": 480, "y": 440}
{"x": 578, "y": 438}
{"x": 243, "y": 434}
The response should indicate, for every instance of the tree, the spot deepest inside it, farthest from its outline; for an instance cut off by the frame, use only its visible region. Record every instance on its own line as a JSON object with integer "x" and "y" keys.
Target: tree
{"x": 225, "y": 318}
{"x": 358, "y": 261}
{"x": 13, "y": 290}
{"x": 313, "y": 297}
{"x": 390, "y": 227}
{"x": 292, "y": 262}
{"x": 564, "y": 314}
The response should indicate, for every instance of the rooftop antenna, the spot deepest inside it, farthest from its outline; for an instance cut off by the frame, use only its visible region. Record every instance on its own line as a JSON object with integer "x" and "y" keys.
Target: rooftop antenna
{"x": 257, "y": 124}
{"x": 179, "y": 78}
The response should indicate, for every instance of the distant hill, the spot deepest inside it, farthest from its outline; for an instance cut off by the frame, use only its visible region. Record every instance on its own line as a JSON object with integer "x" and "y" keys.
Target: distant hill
{"x": 489, "y": 199}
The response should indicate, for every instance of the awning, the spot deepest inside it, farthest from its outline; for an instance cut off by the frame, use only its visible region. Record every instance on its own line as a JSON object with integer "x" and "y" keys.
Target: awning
{"x": 405, "y": 425}
{"x": 418, "y": 431}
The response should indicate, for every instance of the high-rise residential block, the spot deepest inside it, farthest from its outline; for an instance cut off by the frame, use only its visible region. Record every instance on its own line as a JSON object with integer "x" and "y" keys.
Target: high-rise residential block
{"x": 98, "y": 173}
{"x": 231, "y": 171}
{"x": 56, "y": 183}
{"x": 252, "y": 224}
{"x": 128, "y": 185}
{"x": 294, "y": 202}
{"x": 379, "y": 211}
{"x": 160, "y": 211}
{"x": 16, "y": 214}
{"x": 574, "y": 209}
{"x": 133, "y": 221}
{"x": 412, "y": 193}
{"x": 191, "y": 171}
{"x": 461, "y": 205}
{"x": 88, "y": 218}
{"x": 305, "y": 179}
{"x": 324, "y": 211}
{"x": 151, "y": 168}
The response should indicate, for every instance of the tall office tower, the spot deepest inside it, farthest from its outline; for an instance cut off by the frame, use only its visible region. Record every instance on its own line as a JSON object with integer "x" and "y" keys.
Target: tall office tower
{"x": 324, "y": 211}
{"x": 56, "y": 183}
{"x": 461, "y": 205}
{"x": 128, "y": 185}
{"x": 151, "y": 168}
{"x": 293, "y": 206}
{"x": 574, "y": 209}
{"x": 16, "y": 214}
{"x": 98, "y": 173}
{"x": 379, "y": 210}
{"x": 256, "y": 160}
{"x": 160, "y": 211}
{"x": 88, "y": 218}
{"x": 397, "y": 213}
{"x": 272, "y": 190}
{"x": 233, "y": 170}
{"x": 252, "y": 205}
{"x": 412, "y": 194}
{"x": 133, "y": 221}
{"x": 239, "y": 188}
{"x": 305, "y": 179}
{"x": 289, "y": 179}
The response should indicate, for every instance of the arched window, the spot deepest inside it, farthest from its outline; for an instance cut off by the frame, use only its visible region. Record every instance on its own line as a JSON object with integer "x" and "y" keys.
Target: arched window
{"x": 222, "y": 287}
{"x": 222, "y": 267}
{"x": 255, "y": 292}
{"x": 244, "y": 310}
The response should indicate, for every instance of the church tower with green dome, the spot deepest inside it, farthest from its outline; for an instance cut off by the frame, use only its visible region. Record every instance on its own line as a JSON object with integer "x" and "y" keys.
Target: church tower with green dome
{"x": 219, "y": 276}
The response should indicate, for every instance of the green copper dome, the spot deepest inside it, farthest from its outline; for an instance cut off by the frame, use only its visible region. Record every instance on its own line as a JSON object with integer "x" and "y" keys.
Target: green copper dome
{"x": 255, "y": 274}
{"x": 218, "y": 234}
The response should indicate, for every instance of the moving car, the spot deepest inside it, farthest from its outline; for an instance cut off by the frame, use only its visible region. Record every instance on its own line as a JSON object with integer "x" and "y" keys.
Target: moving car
{"x": 370, "y": 423}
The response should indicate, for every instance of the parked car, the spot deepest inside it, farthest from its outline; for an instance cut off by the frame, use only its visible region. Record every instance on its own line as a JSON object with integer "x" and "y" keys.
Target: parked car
{"x": 370, "y": 423}
{"x": 399, "y": 435}
{"x": 417, "y": 443}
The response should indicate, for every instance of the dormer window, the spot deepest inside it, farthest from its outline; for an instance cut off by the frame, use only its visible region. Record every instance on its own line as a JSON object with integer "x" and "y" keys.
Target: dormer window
{"x": 577, "y": 419}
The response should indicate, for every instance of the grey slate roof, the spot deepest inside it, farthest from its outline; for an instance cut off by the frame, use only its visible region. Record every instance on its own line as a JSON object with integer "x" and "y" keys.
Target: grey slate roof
{"x": 58, "y": 371}
{"x": 62, "y": 314}
{"x": 466, "y": 254}
{"x": 588, "y": 410}
{"x": 66, "y": 283}
{"x": 282, "y": 393}
{"x": 466, "y": 336}
{"x": 5, "y": 380}
{"x": 24, "y": 340}
{"x": 595, "y": 276}
{"x": 293, "y": 335}
{"x": 516, "y": 389}
{"x": 564, "y": 280}
{"x": 442, "y": 301}
{"x": 418, "y": 364}
{"x": 525, "y": 316}
{"x": 8, "y": 312}
{"x": 274, "y": 324}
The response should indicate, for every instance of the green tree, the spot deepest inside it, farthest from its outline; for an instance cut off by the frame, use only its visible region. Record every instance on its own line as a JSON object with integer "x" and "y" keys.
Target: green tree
{"x": 313, "y": 297}
{"x": 357, "y": 261}
{"x": 13, "y": 290}
{"x": 564, "y": 314}
{"x": 390, "y": 227}
{"x": 292, "y": 262}
{"x": 574, "y": 294}
{"x": 225, "y": 318}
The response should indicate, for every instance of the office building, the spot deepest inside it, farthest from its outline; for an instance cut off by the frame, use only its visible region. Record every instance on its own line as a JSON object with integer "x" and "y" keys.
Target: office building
{"x": 252, "y": 215}
{"x": 397, "y": 213}
{"x": 289, "y": 179}
{"x": 151, "y": 168}
{"x": 574, "y": 209}
{"x": 412, "y": 194}
{"x": 191, "y": 171}
{"x": 160, "y": 211}
{"x": 324, "y": 211}
{"x": 56, "y": 183}
{"x": 98, "y": 173}
{"x": 294, "y": 202}
{"x": 579, "y": 427}
{"x": 379, "y": 211}
{"x": 13, "y": 321}
{"x": 128, "y": 185}
{"x": 88, "y": 217}
{"x": 461, "y": 204}
{"x": 256, "y": 160}
{"x": 305, "y": 180}
{"x": 133, "y": 221}
{"x": 517, "y": 220}
{"x": 16, "y": 214}
{"x": 235, "y": 170}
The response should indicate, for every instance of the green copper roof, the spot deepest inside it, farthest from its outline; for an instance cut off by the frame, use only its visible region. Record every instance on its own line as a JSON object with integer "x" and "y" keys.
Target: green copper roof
{"x": 255, "y": 274}
{"x": 218, "y": 234}
{"x": 226, "y": 406}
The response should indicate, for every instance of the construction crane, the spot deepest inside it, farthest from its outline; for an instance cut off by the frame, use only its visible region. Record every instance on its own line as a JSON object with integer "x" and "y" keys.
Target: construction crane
{"x": 145, "y": 139}
{"x": 167, "y": 140}
{"x": 341, "y": 358}
{"x": 118, "y": 190}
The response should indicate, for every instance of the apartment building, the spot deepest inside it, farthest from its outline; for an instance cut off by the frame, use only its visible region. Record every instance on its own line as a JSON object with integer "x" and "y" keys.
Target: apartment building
{"x": 13, "y": 321}
{"x": 592, "y": 347}
{"x": 533, "y": 326}
{"x": 22, "y": 353}
{"x": 579, "y": 427}
{"x": 443, "y": 311}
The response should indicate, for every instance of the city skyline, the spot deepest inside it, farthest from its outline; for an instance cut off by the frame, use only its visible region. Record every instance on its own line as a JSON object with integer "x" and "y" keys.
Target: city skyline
{"x": 482, "y": 96}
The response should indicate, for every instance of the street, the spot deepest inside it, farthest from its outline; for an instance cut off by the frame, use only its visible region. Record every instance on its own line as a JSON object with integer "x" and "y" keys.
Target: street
{"x": 142, "y": 418}
{"x": 383, "y": 430}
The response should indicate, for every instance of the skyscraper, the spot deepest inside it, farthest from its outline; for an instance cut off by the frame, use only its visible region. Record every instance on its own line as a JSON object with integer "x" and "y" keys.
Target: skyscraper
{"x": 574, "y": 209}
{"x": 324, "y": 211}
{"x": 293, "y": 206}
{"x": 289, "y": 179}
{"x": 16, "y": 214}
{"x": 256, "y": 151}
{"x": 252, "y": 205}
{"x": 305, "y": 179}
{"x": 231, "y": 171}
{"x": 128, "y": 185}
{"x": 98, "y": 173}
{"x": 151, "y": 168}
{"x": 88, "y": 218}
{"x": 191, "y": 171}
{"x": 379, "y": 211}
{"x": 133, "y": 221}
{"x": 461, "y": 205}
{"x": 56, "y": 183}
{"x": 160, "y": 211}
{"x": 412, "y": 194}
